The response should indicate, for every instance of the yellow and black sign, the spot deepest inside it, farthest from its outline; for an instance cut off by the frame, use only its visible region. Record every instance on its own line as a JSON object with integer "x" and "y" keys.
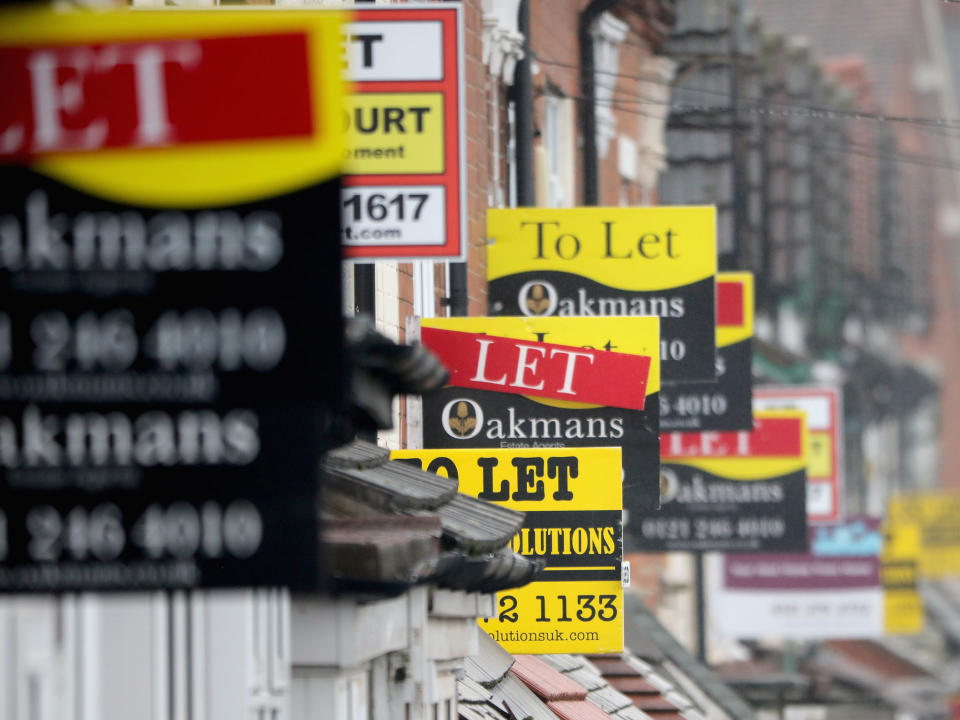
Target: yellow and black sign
{"x": 935, "y": 519}
{"x": 899, "y": 571}
{"x": 613, "y": 261}
{"x": 468, "y": 417}
{"x": 395, "y": 133}
{"x": 573, "y": 504}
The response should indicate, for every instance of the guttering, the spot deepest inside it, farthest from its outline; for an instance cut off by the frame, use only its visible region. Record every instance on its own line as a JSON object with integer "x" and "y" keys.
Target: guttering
{"x": 588, "y": 95}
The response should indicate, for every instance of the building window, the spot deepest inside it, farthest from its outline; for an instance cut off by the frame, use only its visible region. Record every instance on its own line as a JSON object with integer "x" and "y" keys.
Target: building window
{"x": 608, "y": 32}
{"x": 558, "y": 151}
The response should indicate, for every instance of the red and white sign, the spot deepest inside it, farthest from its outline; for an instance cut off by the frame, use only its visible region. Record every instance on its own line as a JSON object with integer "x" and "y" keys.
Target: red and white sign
{"x": 823, "y": 406}
{"x": 770, "y": 437}
{"x": 404, "y": 194}
{"x": 158, "y": 93}
{"x": 538, "y": 369}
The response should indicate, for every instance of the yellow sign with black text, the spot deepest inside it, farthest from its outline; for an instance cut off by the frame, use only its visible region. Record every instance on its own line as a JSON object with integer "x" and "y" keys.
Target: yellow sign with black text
{"x": 572, "y": 498}
{"x": 899, "y": 565}
{"x": 936, "y": 517}
{"x": 395, "y": 133}
{"x": 643, "y": 248}
{"x": 597, "y": 261}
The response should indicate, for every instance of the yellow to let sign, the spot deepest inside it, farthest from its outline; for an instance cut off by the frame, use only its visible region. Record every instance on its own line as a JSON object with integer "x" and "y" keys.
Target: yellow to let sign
{"x": 936, "y": 519}
{"x": 395, "y": 133}
{"x": 648, "y": 248}
{"x": 899, "y": 568}
{"x": 573, "y": 502}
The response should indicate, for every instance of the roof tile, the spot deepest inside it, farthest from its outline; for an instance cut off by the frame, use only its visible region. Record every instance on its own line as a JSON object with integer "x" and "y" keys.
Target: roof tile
{"x": 651, "y": 704}
{"x": 393, "y": 486}
{"x": 631, "y": 713}
{"x": 358, "y": 454}
{"x": 876, "y": 657}
{"x": 521, "y": 700}
{"x": 587, "y": 678}
{"x": 563, "y": 663}
{"x": 577, "y": 710}
{"x": 609, "y": 700}
{"x": 612, "y": 665}
{"x": 478, "y": 526}
{"x": 633, "y": 684}
{"x": 491, "y": 663}
{"x": 546, "y": 682}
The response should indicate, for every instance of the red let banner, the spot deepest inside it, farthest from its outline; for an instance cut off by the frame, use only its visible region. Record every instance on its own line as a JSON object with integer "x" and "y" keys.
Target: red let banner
{"x": 153, "y": 93}
{"x": 771, "y": 436}
{"x": 562, "y": 372}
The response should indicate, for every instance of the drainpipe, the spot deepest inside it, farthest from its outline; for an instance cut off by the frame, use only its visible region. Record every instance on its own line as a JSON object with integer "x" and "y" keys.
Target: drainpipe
{"x": 523, "y": 104}
{"x": 588, "y": 105}
{"x": 364, "y": 278}
{"x": 459, "y": 300}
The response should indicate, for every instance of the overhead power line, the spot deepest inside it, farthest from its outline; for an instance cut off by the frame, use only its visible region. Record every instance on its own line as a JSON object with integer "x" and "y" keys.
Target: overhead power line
{"x": 767, "y": 103}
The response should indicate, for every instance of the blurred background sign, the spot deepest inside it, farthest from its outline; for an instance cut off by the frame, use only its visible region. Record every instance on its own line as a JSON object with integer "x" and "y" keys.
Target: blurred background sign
{"x": 824, "y": 408}
{"x": 924, "y": 526}
{"x": 168, "y": 236}
{"x": 405, "y": 194}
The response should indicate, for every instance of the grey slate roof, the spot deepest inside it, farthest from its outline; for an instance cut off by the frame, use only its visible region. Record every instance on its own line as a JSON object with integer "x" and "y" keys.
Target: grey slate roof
{"x": 380, "y": 368}
{"x": 478, "y": 526}
{"x": 639, "y": 622}
{"x": 388, "y": 524}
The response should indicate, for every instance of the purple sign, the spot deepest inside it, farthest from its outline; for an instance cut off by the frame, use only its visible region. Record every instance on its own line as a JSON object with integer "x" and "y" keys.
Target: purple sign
{"x": 800, "y": 572}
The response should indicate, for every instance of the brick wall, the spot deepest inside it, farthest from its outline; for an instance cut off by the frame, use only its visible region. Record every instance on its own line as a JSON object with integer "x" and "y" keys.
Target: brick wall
{"x": 478, "y": 87}
{"x": 556, "y": 48}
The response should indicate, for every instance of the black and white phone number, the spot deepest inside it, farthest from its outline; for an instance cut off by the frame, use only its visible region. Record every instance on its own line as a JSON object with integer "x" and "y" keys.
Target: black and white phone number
{"x": 197, "y": 339}
{"x": 179, "y": 530}
{"x": 743, "y": 528}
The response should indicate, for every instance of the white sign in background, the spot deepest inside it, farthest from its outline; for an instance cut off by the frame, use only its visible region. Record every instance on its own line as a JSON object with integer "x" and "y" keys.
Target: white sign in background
{"x": 796, "y": 614}
{"x": 394, "y": 51}
{"x": 820, "y": 492}
{"x": 394, "y": 214}
{"x": 407, "y": 52}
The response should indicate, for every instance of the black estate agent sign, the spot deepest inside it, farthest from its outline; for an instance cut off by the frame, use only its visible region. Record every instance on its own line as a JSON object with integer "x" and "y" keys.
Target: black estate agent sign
{"x": 163, "y": 385}
{"x": 731, "y": 491}
{"x": 612, "y": 261}
{"x": 544, "y": 416}
{"x": 726, "y": 403}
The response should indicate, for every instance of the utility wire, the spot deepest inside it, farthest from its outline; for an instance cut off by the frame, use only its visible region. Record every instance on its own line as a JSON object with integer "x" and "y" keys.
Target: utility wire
{"x": 809, "y": 110}
{"x": 627, "y": 105}
{"x": 849, "y": 148}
